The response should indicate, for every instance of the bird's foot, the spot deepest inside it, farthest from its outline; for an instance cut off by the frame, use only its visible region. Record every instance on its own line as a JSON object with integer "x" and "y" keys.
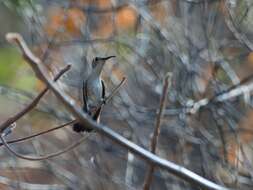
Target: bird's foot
{"x": 77, "y": 127}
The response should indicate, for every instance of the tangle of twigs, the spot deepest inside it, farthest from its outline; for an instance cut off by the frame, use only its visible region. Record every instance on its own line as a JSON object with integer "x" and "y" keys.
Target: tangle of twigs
{"x": 70, "y": 104}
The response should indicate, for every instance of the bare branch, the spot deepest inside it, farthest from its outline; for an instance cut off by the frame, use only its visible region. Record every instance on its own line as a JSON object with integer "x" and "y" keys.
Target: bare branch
{"x": 30, "y": 106}
{"x": 72, "y": 146}
{"x": 114, "y": 91}
{"x": 163, "y": 101}
{"x": 84, "y": 119}
{"x": 233, "y": 91}
{"x": 40, "y": 133}
{"x": 232, "y": 27}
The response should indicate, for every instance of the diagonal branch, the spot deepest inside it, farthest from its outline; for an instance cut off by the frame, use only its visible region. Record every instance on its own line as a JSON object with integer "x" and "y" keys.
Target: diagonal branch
{"x": 232, "y": 27}
{"x": 163, "y": 101}
{"x": 40, "y": 133}
{"x": 114, "y": 91}
{"x": 84, "y": 119}
{"x": 39, "y": 158}
{"x": 231, "y": 92}
{"x": 30, "y": 106}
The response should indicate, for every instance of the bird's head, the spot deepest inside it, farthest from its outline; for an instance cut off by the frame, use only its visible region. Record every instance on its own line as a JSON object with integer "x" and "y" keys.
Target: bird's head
{"x": 100, "y": 61}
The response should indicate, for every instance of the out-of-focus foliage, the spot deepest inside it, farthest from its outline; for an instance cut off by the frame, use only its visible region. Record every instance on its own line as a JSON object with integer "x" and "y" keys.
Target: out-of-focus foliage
{"x": 9, "y": 63}
{"x": 18, "y": 5}
{"x": 14, "y": 72}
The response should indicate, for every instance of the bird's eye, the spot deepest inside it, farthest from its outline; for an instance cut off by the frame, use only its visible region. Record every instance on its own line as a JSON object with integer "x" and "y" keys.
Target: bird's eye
{"x": 96, "y": 59}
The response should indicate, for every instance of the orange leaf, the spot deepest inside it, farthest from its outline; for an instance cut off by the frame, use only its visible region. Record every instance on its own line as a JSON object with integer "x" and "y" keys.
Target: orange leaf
{"x": 74, "y": 21}
{"x": 126, "y": 18}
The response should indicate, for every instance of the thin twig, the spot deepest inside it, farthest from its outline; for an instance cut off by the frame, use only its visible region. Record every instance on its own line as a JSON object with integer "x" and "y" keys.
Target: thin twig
{"x": 114, "y": 91}
{"x": 242, "y": 82}
{"x": 171, "y": 47}
{"x": 231, "y": 92}
{"x": 40, "y": 133}
{"x": 49, "y": 46}
{"x": 232, "y": 27}
{"x": 246, "y": 162}
{"x": 30, "y": 106}
{"x": 84, "y": 119}
{"x": 222, "y": 136}
{"x": 154, "y": 140}
{"x": 72, "y": 146}
{"x": 108, "y": 98}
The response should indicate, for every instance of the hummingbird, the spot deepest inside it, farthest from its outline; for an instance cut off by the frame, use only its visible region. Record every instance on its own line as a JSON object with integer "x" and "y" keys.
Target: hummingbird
{"x": 93, "y": 93}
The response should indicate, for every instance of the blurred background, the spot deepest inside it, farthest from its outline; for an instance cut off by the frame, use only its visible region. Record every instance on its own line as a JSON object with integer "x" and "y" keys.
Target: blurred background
{"x": 206, "y": 45}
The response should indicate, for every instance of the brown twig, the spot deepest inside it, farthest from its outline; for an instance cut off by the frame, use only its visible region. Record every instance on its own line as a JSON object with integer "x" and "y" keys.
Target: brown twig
{"x": 30, "y": 106}
{"x": 154, "y": 140}
{"x": 40, "y": 133}
{"x": 232, "y": 27}
{"x": 84, "y": 119}
{"x": 114, "y": 91}
{"x": 232, "y": 91}
{"x": 75, "y": 144}
{"x": 246, "y": 162}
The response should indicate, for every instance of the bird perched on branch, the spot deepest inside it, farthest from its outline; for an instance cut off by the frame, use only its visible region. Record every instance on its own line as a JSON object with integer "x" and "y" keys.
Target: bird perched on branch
{"x": 93, "y": 93}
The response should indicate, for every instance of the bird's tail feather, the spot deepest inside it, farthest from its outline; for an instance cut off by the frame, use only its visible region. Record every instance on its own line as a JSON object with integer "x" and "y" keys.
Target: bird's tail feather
{"x": 78, "y": 127}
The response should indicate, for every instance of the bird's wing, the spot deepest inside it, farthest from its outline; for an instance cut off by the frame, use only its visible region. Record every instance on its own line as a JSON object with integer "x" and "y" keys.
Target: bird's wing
{"x": 98, "y": 112}
{"x": 103, "y": 89}
{"x": 85, "y": 106}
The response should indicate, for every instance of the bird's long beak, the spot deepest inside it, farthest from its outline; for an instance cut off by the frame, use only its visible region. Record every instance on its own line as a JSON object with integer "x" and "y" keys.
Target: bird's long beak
{"x": 106, "y": 58}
